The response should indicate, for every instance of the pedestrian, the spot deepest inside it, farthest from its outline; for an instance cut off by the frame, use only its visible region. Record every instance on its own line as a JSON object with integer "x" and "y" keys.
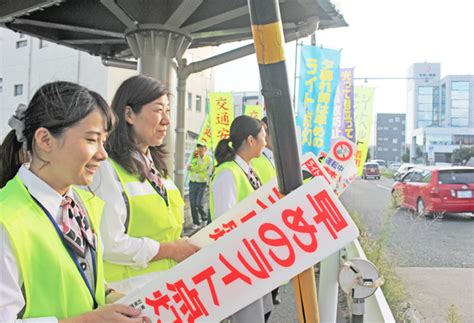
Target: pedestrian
{"x": 143, "y": 217}
{"x": 232, "y": 181}
{"x": 198, "y": 176}
{"x": 51, "y": 256}
{"x": 264, "y": 165}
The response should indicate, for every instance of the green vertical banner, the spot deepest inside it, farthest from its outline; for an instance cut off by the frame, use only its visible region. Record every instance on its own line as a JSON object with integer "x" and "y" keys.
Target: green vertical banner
{"x": 255, "y": 111}
{"x": 221, "y": 115}
{"x": 363, "y": 102}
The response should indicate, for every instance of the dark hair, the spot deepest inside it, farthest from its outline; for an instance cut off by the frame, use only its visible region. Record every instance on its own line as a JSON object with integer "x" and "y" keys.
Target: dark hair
{"x": 134, "y": 92}
{"x": 56, "y": 106}
{"x": 242, "y": 127}
{"x": 265, "y": 120}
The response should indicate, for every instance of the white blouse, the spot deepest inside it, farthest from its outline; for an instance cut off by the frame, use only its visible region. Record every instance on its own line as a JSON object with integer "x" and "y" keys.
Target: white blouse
{"x": 119, "y": 247}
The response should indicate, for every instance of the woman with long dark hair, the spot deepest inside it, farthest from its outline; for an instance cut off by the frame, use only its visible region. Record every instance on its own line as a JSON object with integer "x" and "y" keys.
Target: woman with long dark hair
{"x": 51, "y": 257}
{"x": 233, "y": 180}
{"x": 143, "y": 217}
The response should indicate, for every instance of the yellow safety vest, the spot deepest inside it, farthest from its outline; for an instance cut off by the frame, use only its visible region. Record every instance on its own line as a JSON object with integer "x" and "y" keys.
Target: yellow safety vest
{"x": 53, "y": 286}
{"x": 149, "y": 217}
{"x": 264, "y": 168}
{"x": 241, "y": 181}
{"x": 199, "y": 170}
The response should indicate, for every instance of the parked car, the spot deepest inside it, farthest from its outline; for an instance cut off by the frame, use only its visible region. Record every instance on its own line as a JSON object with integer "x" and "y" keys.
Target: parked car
{"x": 371, "y": 170}
{"x": 380, "y": 162}
{"x": 402, "y": 171}
{"x": 394, "y": 166}
{"x": 429, "y": 190}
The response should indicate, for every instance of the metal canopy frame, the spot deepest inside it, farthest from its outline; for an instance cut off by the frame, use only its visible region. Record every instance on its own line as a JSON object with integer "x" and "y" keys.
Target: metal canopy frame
{"x": 95, "y": 26}
{"x": 157, "y": 33}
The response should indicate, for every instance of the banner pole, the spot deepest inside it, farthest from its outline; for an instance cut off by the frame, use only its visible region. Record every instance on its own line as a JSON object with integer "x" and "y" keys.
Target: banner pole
{"x": 267, "y": 33}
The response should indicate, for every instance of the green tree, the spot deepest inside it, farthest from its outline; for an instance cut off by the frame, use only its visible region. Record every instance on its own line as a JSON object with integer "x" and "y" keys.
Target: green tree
{"x": 462, "y": 155}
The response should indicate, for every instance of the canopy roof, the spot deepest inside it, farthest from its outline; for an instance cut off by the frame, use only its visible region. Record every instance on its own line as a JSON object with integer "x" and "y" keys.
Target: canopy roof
{"x": 100, "y": 27}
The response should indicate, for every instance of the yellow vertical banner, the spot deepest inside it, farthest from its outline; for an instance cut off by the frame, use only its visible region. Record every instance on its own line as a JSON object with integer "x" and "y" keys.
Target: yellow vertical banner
{"x": 255, "y": 111}
{"x": 221, "y": 115}
{"x": 363, "y": 102}
{"x": 205, "y": 134}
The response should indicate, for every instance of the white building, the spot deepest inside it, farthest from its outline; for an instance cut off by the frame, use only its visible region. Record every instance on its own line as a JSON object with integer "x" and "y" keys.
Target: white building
{"x": 26, "y": 63}
{"x": 440, "y": 112}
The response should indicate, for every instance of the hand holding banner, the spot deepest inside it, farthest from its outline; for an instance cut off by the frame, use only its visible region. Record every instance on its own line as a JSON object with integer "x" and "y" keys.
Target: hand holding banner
{"x": 285, "y": 239}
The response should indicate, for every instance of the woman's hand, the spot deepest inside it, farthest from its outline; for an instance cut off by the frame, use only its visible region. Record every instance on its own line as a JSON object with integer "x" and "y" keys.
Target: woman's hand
{"x": 110, "y": 313}
{"x": 178, "y": 250}
{"x": 113, "y": 296}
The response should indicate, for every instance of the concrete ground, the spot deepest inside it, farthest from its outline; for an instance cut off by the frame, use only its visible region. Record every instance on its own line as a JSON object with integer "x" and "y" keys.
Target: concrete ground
{"x": 432, "y": 290}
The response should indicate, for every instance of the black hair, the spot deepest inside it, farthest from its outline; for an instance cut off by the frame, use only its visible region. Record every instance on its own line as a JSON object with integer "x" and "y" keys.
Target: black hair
{"x": 55, "y": 106}
{"x": 135, "y": 92}
{"x": 241, "y": 128}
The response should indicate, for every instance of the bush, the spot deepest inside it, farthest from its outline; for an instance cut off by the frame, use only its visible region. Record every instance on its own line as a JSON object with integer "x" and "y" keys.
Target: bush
{"x": 393, "y": 288}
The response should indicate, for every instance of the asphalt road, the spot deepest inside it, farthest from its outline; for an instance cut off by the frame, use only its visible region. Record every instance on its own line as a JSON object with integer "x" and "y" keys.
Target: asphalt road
{"x": 412, "y": 241}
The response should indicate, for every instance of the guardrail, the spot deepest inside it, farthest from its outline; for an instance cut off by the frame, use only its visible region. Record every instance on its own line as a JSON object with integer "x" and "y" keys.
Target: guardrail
{"x": 376, "y": 306}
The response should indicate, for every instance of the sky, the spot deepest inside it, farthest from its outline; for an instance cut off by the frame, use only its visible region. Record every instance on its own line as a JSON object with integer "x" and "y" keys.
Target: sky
{"x": 383, "y": 39}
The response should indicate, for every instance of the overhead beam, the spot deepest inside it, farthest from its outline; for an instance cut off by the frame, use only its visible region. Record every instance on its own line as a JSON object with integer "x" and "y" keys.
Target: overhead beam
{"x": 53, "y": 25}
{"x": 225, "y": 16}
{"x": 14, "y": 9}
{"x": 235, "y": 31}
{"x": 119, "y": 12}
{"x": 93, "y": 41}
{"x": 183, "y": 12}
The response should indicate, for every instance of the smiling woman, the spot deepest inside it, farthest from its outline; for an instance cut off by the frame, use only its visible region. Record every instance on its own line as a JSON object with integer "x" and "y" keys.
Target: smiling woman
{"x": 47, "y": 227}
{"x": 143, "y": 217}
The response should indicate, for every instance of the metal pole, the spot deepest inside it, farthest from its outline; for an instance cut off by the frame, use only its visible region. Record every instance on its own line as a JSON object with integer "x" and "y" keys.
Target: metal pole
{"x": 180, "y": 171}
{"x": 268, "y": 39}
{"x": 329, "y": 286}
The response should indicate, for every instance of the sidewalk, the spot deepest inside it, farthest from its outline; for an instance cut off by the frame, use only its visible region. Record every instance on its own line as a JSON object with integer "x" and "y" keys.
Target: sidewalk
{"x": 188, "y": 221}
{"x": 432, "y": 290}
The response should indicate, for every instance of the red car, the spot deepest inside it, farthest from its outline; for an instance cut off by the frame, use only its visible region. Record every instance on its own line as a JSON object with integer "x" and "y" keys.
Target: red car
{"x": 436, "y": 190}
{"x": 371, "y": 169}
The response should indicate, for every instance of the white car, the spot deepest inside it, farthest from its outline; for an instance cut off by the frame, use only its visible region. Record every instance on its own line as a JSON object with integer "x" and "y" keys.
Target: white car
{"x": 394, "y": 166}
{"x": 402, "y": 170}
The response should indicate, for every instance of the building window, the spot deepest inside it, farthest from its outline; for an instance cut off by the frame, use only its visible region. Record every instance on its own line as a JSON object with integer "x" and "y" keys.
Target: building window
{"x": 390, "y": 120}
{"x": 43, "y": 43}
{"x": 397, "y": 119}
{"x": 385, "y": 128}
{"x": 21, "y": 35}
{"x": 189, "y": 102}
{"x": 394, "y": 141}
{"x": 395, "y": 128}
{"x": 379, "y": 148}
{"x": 442, "y": 113}
{"x": 394, "y": 149}
{"x": 18, "y": 89}
{"x": 198, "y": 102}
{"x": 426, "y": 103}
{"x": 21, "y": 43}
{"x": 385, "y": 139}
{"x": 459, "y": 104}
